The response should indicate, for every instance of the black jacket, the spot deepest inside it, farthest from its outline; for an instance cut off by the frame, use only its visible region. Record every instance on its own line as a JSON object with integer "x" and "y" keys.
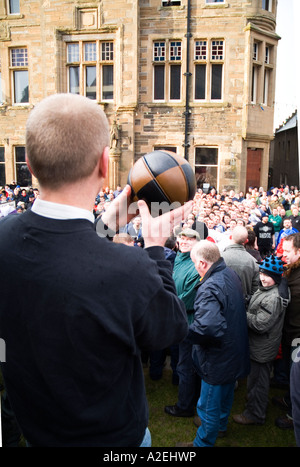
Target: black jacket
{"x": 74, "y": 327}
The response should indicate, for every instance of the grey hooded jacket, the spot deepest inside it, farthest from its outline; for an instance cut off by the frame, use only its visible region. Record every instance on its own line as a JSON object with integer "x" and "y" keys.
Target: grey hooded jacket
{"x": 265, "y": 316}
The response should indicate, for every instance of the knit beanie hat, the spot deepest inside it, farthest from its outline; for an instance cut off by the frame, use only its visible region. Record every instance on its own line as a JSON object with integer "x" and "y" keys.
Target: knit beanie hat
{"x": 272, "y": 266}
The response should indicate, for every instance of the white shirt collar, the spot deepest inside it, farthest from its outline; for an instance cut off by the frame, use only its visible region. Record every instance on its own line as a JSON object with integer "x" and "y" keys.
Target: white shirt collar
{"x": 60, "y": 211}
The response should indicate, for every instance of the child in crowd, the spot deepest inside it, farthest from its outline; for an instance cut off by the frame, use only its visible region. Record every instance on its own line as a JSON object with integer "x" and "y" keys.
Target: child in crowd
{"x": 265, "y": 316}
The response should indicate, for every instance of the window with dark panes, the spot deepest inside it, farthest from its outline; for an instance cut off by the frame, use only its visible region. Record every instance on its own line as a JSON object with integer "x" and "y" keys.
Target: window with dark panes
{"x": 268, "y": 74}
{"x": 206, "y": 166}
{"x": 13, "y": 7}
{"x": 107, "y": 70}
{"x": 208, "y": 75}
{"x": 23, "y": 175}
{"x": 159, "y": 56}
{"x": 216, "y": 81}
{"x": 74, "y": 69}
{"x": 267, "y": 5}
{"x": 19, "y": 69}
{"x": 2, "y": 166}
{"x": 90, "y": 60}
{"x": 175, "y": 70}
{"x": 159, "y": 82}
{"x": 175, "y": 82}
{"x": 200, "y": 69}
{"x": 167, "y": 70}
{"x": 217, "y": 55}
{"x": 86, "y": 62}
{"x": 200, "y": 81}
{"x": 166, "y": 148}
{"x": 255, "y": 70}
{"x": 171, "y": 3}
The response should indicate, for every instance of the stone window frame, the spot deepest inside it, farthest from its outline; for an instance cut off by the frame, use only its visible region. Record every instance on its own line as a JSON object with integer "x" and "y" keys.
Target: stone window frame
{"x": 18, "y": 63}
{"x": 268, "y": 72}
{"x": 9, "y": 8}
{"x": 96, "y": 57}
{"x": 262, "y": 72}
{"x": 167, "y": 64}
{"x": 209, "y": 52}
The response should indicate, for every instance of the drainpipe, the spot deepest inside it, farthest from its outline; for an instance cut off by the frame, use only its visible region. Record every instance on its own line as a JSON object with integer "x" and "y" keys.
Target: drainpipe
{"x": 188, "y": 74}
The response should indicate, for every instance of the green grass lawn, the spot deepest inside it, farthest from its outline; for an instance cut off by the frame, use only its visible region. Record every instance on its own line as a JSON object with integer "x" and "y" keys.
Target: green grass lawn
{"x": 166, "y": 430}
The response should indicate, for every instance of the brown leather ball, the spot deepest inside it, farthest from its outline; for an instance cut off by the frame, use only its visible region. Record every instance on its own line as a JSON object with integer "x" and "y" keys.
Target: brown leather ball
{"x": 159, "y": 177}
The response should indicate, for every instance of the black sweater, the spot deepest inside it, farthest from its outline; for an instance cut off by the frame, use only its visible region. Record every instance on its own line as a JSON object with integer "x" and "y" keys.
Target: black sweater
{"x": 75, "y": 310}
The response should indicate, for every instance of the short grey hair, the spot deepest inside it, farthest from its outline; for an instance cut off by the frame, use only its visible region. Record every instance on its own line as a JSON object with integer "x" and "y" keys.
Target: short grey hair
{"x": 206, "y": 251}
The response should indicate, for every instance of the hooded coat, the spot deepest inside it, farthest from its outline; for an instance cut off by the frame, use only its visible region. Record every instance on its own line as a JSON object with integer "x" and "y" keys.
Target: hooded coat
{"x": 265, "y": 316}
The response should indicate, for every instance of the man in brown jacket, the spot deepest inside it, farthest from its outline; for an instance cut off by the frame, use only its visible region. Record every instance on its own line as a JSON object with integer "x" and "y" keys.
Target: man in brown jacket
{"x": 291, "y": 327}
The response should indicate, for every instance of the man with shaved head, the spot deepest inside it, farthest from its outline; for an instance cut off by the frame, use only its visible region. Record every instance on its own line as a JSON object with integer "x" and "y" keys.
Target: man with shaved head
{"x": 237, "y": 258}
{"x": 73, "y": 369}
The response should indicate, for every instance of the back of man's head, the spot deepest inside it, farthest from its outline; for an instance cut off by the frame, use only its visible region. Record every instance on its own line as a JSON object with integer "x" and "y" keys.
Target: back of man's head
{"x": 240, "y": 235}
{"x": 65, "y": 138}
{"x": 206, "y": 251}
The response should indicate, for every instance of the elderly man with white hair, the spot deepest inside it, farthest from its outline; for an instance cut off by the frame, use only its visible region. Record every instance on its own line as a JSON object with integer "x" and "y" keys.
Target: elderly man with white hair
{"x": 220, "y": 337}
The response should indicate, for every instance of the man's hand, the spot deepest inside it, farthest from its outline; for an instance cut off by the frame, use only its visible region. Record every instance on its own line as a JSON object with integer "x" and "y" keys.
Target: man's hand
{"x": 156, "y": 230}
{"x": 120, "y": 211}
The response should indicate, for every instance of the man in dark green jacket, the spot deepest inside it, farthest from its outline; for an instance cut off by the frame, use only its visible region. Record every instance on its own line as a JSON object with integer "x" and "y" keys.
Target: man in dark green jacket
{"x": 186, "y": 278}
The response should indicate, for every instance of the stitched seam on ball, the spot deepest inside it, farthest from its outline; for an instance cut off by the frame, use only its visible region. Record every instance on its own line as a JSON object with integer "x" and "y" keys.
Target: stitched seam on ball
{"x": 154, "y": 180}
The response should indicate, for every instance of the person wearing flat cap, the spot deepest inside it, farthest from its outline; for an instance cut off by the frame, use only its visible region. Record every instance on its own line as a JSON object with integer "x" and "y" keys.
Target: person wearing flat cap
{"x": 189, "y": 233}
{"x": 186, "y": 278}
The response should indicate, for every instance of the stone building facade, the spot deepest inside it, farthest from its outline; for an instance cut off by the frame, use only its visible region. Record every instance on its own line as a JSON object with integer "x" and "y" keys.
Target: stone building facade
{"x": 194, "y": 76}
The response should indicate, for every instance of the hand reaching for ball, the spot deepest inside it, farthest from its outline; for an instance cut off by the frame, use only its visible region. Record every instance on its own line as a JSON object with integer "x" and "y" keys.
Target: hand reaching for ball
{"x": 156, "y": 230}
{"x": 119, "y": 213}
{"x": 160, "y": 181}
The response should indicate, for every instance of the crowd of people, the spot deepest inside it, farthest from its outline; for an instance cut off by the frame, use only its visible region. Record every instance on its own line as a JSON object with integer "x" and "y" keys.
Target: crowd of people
{"x": 272, "y": 214}
{"x": 224, "y": 269}
{"x": 239, "y": 224}
{"x": 248, "y": 231}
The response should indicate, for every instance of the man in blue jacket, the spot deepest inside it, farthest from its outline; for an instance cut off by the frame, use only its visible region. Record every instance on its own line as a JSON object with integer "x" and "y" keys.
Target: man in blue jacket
{"x": 220, "y": 337}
